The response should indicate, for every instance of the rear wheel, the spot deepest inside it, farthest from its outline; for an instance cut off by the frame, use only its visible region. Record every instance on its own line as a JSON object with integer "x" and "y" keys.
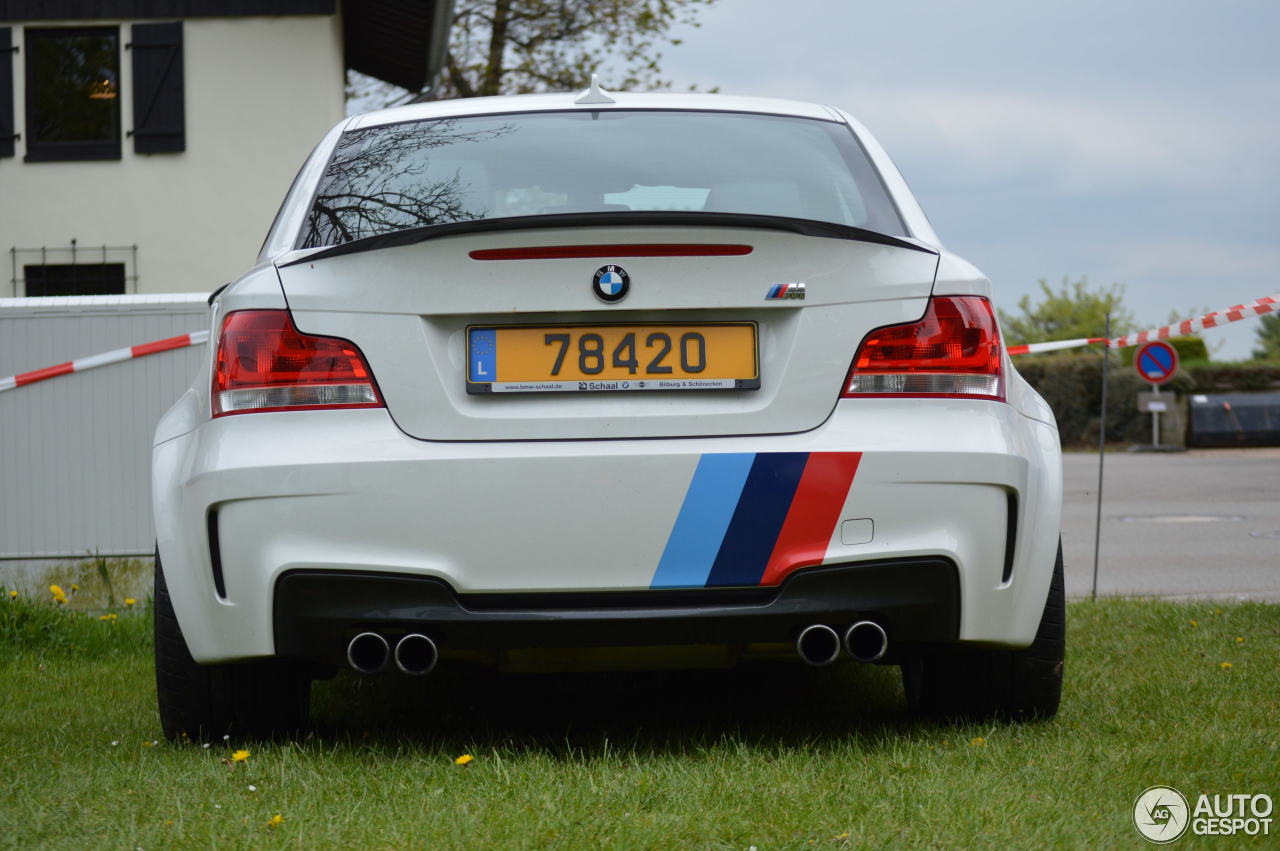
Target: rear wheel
{"x": 255, "y": 700}
{"x": 1015, "y": 684}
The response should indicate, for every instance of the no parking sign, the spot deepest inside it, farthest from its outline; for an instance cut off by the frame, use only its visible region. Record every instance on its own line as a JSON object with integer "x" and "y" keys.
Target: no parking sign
{"x": 1156, "y": 362}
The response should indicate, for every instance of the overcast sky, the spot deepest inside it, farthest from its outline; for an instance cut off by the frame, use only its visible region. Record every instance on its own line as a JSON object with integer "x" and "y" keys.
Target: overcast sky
{"x": 1136, "y": 142}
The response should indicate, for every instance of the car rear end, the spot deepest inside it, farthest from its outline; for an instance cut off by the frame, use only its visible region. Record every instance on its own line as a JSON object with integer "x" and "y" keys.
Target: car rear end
{"x": 549, "y": 384}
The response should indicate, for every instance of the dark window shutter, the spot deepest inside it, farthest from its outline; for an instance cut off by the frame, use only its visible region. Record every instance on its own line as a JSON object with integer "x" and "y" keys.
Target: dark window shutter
{"x": 159, "y": 110}
{"x": 6, "y": 92}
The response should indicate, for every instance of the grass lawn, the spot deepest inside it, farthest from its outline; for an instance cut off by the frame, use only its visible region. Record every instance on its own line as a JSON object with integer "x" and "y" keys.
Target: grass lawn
{"x": 771, "y": 758}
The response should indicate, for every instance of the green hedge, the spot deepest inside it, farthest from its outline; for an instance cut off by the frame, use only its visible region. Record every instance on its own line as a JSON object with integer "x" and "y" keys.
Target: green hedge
{"x": 1072, "y": 385}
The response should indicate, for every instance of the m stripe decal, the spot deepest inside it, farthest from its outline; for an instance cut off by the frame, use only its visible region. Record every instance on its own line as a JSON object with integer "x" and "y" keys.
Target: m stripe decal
{"x": 815, "y": 510}
{"x": 703, "y": 519}
{"x": 751, "y": 519}
{"x": 762, "y": 508}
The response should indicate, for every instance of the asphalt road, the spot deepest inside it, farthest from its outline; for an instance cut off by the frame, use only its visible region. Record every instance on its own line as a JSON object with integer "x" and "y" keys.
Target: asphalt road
{"x": 1198, "y": 524}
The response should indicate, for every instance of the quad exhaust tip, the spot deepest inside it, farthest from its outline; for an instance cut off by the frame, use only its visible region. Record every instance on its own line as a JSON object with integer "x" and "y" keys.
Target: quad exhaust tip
{"x": 416, "y": 654}
{"x": 368, "y": 652}
{"x": 818, "y": 644}
{"x": 866, "y": 641}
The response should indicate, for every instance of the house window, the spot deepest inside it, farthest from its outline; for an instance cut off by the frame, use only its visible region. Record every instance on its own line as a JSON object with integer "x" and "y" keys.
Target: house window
{"x": 73, "y": 88}
{"x": 75, "y": 279}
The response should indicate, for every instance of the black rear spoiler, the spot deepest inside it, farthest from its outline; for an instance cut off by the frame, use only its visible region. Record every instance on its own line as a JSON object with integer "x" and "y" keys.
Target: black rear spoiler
{"x": 805, "y": 227}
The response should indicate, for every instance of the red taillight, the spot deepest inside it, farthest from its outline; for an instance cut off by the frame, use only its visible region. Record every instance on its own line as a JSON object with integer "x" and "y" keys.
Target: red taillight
{"x": 954, "y": 350}
{"x": 265, "y": 364}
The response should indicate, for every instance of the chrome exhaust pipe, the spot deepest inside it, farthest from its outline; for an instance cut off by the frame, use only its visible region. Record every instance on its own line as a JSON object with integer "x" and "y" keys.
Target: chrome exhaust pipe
{"x": 866, "y": 641}
{"x": 416, "y": 654}
{"x": 368, "y": 652}
{"x": 818, "y": 644}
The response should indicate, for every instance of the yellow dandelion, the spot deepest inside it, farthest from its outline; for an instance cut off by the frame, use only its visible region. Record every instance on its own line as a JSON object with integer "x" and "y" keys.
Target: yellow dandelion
{"x": 275, "y": 821}
{"x": 13, "y": 593}
{"x": 1217, "y": 611}
{"x": 1226, "y": 666}
{"x": 1239, "y": 639}
{"x": 464, "y": 759}
{"x": 1193, "y": 623}
{"x": 240, "y": 756}
{"x": 109, "y": 617}
{"x": 978, "y": 741}
{"x": 58, "y": 594}
{"x": 129, "y": 601}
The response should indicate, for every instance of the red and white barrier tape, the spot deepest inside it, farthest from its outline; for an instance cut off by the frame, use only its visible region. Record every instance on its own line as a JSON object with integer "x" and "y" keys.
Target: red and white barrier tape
{"x": 195, "y": 338}
{"x": 1054, "y": 346}
{"x": 1260, "y": 307}
{"x": 1264, "y": 305}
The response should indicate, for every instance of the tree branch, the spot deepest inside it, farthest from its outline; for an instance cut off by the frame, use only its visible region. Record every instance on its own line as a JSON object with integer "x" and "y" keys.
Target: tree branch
{"x": 456, "y": 78}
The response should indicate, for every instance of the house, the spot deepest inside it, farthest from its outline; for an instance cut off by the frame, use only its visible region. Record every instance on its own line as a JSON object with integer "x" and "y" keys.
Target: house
{"x": 146, "y": 144}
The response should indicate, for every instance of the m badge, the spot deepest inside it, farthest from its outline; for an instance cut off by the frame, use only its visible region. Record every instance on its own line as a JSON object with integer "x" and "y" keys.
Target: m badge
{"x": 781, "y": 291}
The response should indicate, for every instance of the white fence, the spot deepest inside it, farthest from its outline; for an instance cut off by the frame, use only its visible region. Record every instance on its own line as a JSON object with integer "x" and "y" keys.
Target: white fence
{"x": 75, "y": 451}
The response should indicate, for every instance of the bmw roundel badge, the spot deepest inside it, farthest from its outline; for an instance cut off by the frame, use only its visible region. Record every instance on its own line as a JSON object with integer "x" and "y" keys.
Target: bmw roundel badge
{"x": 611, "y": 283}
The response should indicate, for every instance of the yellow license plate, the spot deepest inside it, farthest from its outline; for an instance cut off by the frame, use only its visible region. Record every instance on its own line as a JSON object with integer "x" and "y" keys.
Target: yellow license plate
{"x": 595, "y": 358}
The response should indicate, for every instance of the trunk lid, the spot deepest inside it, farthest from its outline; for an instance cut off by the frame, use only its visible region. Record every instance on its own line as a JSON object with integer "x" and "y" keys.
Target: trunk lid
{"x": 409, "y": 308}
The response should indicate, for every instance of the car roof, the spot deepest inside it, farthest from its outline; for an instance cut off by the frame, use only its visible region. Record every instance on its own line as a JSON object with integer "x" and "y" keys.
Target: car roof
{"x": 566, "y": 101}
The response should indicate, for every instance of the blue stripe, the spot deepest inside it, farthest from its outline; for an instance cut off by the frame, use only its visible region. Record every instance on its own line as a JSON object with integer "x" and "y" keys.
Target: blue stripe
{"x": 700, "y": 526}
{"x": 757, "y": 521}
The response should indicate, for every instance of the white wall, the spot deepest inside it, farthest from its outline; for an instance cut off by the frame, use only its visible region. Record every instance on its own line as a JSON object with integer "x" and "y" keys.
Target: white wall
{"x": 260, "y": 92}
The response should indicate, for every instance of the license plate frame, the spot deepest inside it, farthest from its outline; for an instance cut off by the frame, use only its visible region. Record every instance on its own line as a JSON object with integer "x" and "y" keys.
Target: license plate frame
{"x": 483, "y": 349}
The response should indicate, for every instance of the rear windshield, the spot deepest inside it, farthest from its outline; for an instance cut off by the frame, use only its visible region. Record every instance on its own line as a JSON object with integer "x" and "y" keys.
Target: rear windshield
{"x": 399, "y": 176}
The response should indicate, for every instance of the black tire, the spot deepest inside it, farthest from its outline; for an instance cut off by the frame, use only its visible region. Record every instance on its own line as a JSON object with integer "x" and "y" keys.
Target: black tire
{"x": 246, "y": 700}
{"x": 1019, "y": 685}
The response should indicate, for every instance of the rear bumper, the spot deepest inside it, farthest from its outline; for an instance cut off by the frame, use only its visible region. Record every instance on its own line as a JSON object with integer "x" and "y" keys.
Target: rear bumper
{"x": 317, "y": 613}
{"x": 345, "y": 493}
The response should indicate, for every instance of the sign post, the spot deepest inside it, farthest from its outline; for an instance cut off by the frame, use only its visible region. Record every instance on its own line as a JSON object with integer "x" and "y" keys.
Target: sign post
{"x": 1102, "y": 454}
{"x": 1156, "y": 363}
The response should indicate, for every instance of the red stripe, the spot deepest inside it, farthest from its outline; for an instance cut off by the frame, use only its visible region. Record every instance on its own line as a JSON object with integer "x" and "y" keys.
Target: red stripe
{"x": 1209, "y": 320}
{"x": 815, "y": 510}
{"x": 1018, "y": 350}
{"x": 178, "y": 342}
{"x": 41, "y": 374}
{"x": 1235, "y": 315}
{"x": 1185, "y": 326}
{"x": 1266, "y": 300}
{"x": 1163, "y": 333}
{"x": 1097, "y": 339}
{"x": 569, "y": 252}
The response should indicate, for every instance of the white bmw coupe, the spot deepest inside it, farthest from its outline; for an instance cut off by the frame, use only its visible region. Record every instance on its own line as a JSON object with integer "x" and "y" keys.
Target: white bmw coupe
{"x": 661, "y": 379}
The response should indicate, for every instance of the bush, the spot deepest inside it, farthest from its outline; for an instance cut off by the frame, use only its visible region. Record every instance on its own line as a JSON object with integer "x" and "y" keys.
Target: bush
{"x": 1072, "y": 385}
{"x": 1234, "y": 377}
